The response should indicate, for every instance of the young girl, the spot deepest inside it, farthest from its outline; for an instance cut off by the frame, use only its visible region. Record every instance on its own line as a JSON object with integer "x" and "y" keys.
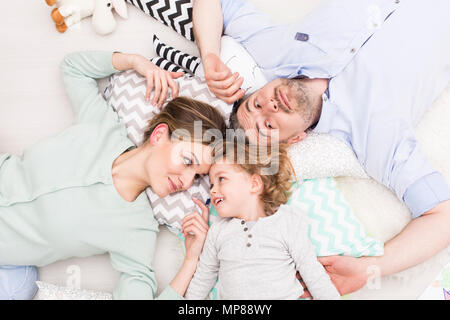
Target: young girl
{"x": 259, "y": 246}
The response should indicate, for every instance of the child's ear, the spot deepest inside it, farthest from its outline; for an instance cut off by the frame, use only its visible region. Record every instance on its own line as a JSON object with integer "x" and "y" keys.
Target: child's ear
{"x": 257, "y": 185}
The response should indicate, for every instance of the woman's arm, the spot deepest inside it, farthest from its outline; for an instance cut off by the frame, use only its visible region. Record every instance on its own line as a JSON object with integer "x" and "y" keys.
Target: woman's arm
{"x": 80, "y": 70}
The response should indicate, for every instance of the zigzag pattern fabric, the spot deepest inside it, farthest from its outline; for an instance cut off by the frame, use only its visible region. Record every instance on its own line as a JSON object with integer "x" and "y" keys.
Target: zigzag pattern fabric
{"x": 333, "y": 227}
{"x": 176, "y": 14}
{"x": 184, "y": 60}
{"x": 171, "y": 209}
{"x": 126, "y": 94}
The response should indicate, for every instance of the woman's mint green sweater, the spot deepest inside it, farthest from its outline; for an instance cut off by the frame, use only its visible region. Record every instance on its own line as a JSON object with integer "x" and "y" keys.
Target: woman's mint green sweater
{"x": 58, "y": 200}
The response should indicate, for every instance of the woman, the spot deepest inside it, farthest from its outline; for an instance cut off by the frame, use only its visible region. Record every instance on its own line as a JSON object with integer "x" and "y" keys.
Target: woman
{"x": 79, "y": 193}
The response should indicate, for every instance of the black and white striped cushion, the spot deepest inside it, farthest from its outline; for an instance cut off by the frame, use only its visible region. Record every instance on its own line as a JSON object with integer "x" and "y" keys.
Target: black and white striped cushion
{"x": 183, "y": 60}
{"x": 167, "y": 65}
{"x": 176, "y": 14}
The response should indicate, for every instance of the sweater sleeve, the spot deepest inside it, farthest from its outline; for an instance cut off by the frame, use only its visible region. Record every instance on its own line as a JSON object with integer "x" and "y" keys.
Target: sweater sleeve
{"x": 207, "y": 271}
{"x": 80, "y": 70}
{"x": 311, "y": 270}
{"x": 137, "y": 281}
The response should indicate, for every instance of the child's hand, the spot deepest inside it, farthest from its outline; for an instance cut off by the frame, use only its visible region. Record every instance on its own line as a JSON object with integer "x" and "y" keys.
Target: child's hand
{"x": 194, "y": 228}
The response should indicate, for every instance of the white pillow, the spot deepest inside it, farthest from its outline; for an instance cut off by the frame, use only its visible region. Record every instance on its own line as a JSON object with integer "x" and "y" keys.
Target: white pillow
{"x": 322, "y": 156}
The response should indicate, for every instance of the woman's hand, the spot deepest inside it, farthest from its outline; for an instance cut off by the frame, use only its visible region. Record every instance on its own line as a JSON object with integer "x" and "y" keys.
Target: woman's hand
{"x": 220, "y": 81}
{"x": 194, "y": 228}
{"x": 157, "y": 79}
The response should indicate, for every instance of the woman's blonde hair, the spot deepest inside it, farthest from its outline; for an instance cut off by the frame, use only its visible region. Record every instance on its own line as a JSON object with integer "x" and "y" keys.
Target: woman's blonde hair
{"x": 272, "y": 165}
{"x": 181, "y": 115}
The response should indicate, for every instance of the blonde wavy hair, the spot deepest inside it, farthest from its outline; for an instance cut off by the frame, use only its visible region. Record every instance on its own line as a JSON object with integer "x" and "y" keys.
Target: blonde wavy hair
{"x": 272, "y": 165}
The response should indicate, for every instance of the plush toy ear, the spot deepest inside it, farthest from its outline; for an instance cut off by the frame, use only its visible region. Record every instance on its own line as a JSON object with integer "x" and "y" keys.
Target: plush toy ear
{"x": 121, "y": 8}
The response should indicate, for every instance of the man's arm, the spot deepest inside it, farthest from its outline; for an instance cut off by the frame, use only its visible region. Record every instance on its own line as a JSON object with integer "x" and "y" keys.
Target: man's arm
{"x": 422, "y": 238}
{"x": 208, "y": 26}
{"x": 208, "y": 29}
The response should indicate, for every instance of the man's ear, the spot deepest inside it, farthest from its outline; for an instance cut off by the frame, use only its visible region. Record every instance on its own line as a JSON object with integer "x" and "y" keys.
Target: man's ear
{"x": 257, "y": 185}
{"x": 296, "y": 138}
{"x": 159, "y": 134}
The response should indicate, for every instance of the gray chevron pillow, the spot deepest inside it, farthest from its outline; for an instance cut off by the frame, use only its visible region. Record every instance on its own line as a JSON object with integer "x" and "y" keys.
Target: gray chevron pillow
{"x": 126, "y": 95}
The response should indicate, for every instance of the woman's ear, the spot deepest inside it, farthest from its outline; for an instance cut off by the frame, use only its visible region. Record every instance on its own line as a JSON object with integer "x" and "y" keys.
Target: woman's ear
{"x": 159, "y": 134}
{"x": 257, "y": 185}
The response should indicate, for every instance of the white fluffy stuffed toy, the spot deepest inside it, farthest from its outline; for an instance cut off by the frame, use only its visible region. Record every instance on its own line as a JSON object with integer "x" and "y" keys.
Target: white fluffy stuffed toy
{"x": 70, "y": 12}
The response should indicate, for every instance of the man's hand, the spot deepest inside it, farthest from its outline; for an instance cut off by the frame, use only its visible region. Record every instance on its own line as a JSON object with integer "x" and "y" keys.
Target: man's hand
{"x": 221, "y": 82}
{"x": 348, "y": 274}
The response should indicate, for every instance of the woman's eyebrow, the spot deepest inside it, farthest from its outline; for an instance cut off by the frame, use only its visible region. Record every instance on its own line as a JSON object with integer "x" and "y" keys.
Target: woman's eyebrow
{"x": 195, "y": 158}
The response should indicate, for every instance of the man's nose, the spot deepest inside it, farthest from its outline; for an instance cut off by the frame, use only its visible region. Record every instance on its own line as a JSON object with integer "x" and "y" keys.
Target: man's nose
{"x": 273, "y": 105}
{"x": 269, "y": 106}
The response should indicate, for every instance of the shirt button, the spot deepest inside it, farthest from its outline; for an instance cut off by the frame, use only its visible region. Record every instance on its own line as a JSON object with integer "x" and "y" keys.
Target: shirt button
{"x": 249, "y": 244}
{"x": 242, "y": 222}
{"x": 301, "y": 36}
{"x": 249, "y": 235}
{"x": 245, "y": 229}
{"x": 353, "y": 50}
{"x": 397, "y": 1}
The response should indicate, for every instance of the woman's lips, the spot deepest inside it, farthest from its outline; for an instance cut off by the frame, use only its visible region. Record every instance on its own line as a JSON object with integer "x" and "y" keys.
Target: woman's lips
{"x": 172, "y": 186}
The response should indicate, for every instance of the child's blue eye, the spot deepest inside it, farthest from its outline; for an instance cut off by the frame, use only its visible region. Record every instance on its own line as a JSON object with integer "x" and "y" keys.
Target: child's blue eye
{"x": 221, "y": 179}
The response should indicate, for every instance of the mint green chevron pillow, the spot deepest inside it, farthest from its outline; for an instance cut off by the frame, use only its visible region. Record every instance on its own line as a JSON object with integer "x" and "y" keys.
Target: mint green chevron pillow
{"x": 333, "y": 227}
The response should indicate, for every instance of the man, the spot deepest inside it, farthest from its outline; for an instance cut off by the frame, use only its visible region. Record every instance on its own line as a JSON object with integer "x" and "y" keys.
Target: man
{"x": 364, "y": 71}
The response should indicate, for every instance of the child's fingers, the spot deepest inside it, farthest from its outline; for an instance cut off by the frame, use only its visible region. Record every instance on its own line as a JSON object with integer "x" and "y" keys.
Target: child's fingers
{"x": 205, "y": 210}
{"x": 195, "y": 231}
{"x": 189, "y": 217}
{"x": 196, "y": 222}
